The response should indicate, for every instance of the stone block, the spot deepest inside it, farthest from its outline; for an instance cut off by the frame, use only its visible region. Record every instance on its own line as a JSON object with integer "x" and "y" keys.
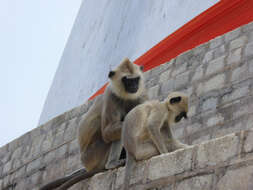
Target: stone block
{"x": 7, "y": 167}
{"x": 210, "y": 103}
{"x": 200, "y": 139}
{"x": 59, "y": 137}
{"x": 47, "y": 142}
{"x": 214, "y": 120}
{"x": 240, "y": 73}
{"x": 192, "y": 128}
{"x": 167, "y": 86}
{"x": 218, "y": 41}
{"x": 208, "y": 56}
{"x": 250, "y": 69}
{"x": 232, "y": 35}
{"x": 248, "y": 145}
{"x": 182, "y": 79}
{"x": 73, "y": 147}
{"x": 249, "y": 50}
{"x": 196, "y": 183}
{"x": 215, "y": 65}
{"x": 73, "y": 163}
{"x": 247, "y": 27}
{"x": 20, "y": 173}
{"x": 165, "y": 76}
{"x": 219, "y": 51}
{"x": 137, "y": 174}
{"x": 234, "y": 56}
{"x": 102, "y": 181}
{"x": 217, "y": 151}
{"x": 237, "y": 43}
{"x": 153, "y": 92}
{"x": 34, "y": 165}
{"x": 180, "y": 67}
{"x": 170, "y": 164}
{"x": 49, "y": 157}
{"x": 36, "y": 178}
{"x": 198, "y": 74}
{"x": 216, "y": 82}
{"x": 235, "y": 94}
{"x": 236, "y": 179}
{"x": 71, "y": 130}
{"x": 61, "y": 151}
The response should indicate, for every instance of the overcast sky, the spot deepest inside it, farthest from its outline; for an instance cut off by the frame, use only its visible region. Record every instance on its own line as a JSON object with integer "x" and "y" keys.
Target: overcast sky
{"x": 32, "y": 38}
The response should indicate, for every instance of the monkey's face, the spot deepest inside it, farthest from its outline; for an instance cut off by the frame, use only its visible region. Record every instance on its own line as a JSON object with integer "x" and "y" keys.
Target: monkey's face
{"x": 178, "y": 104}
{"x": 127, "y": 80}
{"x": 131, "y": 83}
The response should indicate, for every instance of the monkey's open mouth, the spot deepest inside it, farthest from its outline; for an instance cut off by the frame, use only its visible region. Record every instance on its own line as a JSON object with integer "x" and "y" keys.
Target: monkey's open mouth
{"x": 131, "y": 84}
{"x": 180, "y": 116}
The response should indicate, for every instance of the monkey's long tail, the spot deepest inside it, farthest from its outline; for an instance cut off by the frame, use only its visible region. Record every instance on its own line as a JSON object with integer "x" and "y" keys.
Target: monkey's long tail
{"x": 60, "y": 181}
{"x": 79, "y": 177}
{"x": 130, "y": 164}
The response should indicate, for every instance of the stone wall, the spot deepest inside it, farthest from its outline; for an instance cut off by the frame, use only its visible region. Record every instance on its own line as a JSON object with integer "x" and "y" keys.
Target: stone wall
{"x": 218, "y": 77}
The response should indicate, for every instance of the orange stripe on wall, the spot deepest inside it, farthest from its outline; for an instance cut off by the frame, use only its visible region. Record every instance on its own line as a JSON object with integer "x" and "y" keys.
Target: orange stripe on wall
{"x": 224, "y": 16}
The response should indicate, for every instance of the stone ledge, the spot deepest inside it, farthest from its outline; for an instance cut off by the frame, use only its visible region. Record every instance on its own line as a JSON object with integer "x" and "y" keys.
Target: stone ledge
{"x": 197, "y": 167}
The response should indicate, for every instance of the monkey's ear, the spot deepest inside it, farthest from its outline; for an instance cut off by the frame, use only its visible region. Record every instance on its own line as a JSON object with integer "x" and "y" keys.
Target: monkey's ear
{"x": 175, "y": 100}
{"x": 141, "y": 67}
{"x": 111, "y": 74}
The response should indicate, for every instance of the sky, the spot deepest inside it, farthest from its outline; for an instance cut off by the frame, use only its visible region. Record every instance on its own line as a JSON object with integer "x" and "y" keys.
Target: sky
{"x": 33, "y": 35}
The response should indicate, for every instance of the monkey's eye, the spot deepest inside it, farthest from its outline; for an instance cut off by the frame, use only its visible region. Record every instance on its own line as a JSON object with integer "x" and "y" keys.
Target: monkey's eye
{"x": 111, "y": 74}
{"x": 175, "y": 100}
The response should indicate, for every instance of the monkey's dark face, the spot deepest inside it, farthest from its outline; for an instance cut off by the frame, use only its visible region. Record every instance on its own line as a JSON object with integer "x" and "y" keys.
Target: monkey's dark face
{"x": 131, "y": 83}
{"x": 127, "y": 80}
{"x": 179, "y": 105}
{"x": 180, "y": 116}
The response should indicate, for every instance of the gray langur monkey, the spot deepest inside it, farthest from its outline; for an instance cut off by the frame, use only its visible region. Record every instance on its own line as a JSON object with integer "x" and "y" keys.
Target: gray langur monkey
{"x": 100, "y": 128}
{"x": 147, "y": 130}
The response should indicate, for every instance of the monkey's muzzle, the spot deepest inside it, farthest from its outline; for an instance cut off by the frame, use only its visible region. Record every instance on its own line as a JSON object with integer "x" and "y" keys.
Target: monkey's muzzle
{"x": 131, "y": 83}
{"x": 180, "y": 116}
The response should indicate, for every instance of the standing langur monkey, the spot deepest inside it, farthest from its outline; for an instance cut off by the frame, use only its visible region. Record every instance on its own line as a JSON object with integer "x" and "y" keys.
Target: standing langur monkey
{"x": 147, "y": 133}
{"x": 100, "y": 128}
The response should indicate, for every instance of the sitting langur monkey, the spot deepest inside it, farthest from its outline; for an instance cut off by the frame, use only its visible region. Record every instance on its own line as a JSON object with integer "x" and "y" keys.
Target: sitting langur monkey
{"x": 100, "y": 128}
{"x": 147, "y": 133}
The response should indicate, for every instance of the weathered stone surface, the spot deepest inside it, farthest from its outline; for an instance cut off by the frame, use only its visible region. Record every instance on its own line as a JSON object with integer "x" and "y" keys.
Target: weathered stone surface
{"x": 234, "y": 56}
{"x": 249, "y": 49}
{"x": 216, "y": 42}
{"x": 210, "y": 103}
{"x": 216, "y": 151}
{"x": 216, "y": 119}
{"x": 137, "y": 174}
{"x": 153, "y": 92}
{"x": 239, "y": 73}
{"x": 216, "y": 82}
{"x": 196, "y": 183}
{"x": 215, "y": 65}
{"x": 173, "y": 163}
{"x": 248, "y": 146}
{"x": 232, "y": 35}
{"x": 199, "y": 72}
{"x": 239, "y": 42}
{"x": 35, "y": 164}
{"x": 102, "y": 181}
{"x": 235, "y": 179}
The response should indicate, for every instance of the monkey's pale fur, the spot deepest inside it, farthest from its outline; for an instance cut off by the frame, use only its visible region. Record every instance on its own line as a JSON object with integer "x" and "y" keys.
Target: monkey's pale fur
{"x": 100, "y": 127}
{"x": 147, "y": 129}
{"x": 102, "y": 124}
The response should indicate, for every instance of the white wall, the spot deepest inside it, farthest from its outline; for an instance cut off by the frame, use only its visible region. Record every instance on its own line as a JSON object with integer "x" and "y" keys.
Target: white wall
{"x": 105, "y": 31}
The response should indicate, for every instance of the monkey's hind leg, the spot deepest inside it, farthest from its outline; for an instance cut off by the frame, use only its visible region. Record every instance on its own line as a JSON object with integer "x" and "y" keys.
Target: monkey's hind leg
{"x": 130, "y": 164}
{"x": 114, "y": 159}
